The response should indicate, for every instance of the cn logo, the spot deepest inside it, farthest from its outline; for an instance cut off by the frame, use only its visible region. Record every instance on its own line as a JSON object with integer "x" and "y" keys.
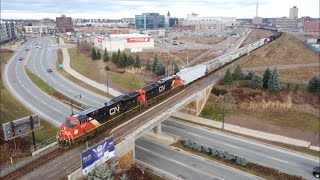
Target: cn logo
{"x": 114, "y": 110}
{"x": 162, "y": 88}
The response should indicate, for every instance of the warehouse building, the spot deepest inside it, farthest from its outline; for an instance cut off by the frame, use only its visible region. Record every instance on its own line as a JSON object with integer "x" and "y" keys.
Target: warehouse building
{"x": 133, "y": 42}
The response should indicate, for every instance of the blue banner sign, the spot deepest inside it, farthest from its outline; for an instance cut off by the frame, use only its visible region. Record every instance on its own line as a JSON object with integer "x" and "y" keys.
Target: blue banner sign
{"x": 98, "y": 154}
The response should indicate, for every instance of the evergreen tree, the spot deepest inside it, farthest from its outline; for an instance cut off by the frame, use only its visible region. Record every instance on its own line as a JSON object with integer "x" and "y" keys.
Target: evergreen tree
{"x": 98, "y": 55}
{"x": 176, "y": 67}
{"x": 238, "y": 74}
{"x": 101, "y": 172}
{"x": 266, "y": 77}
{"x": 105, "y": 55}
{"x": 137, "y": 63}
{"x": 155, "y": 62}
{"x": 250, "y": 75}
{"x": 125, "y": 57}
{"x": 93, "y": 54}
{"x": 274, "y": 82}
{"x": 121, "y": 61}
{"x": 160, "y": 69}
{"x": 130, "y": 60}
{"x": 256, "y": 82}
{"x": 118, "y": 54}
{"x": 148, "y": 66}
{"x": 114, "y": 58}
{"x": 314, "y": 84}
{"x": 227, "y": 79}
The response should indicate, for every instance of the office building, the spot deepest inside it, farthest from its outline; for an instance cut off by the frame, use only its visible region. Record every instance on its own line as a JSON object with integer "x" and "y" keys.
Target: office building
{"x": 173, "y": 21}
{"x": 150, "y": 21}
{"x": 64, "y": 24}
{"x": 293, "y": 13}
{"x": 7, "y": 32}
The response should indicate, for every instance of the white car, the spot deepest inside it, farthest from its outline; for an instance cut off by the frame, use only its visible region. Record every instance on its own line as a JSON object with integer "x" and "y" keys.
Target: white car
{"x": 37, "y": 46}
{"x": 55, "y": 45}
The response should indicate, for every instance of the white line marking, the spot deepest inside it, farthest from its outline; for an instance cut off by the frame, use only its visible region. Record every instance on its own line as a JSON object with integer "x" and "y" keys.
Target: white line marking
{"x": 232, "y": 146}
{"x": 279, "y": 160}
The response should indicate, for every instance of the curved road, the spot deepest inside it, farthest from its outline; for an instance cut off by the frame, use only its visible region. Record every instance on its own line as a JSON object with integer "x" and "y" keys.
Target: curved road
{"x": 30, "y": 95}
{"x": 46, "y": 57}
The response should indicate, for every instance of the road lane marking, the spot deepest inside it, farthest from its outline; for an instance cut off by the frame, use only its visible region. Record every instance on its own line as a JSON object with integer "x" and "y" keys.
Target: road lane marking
{"x": 177, "y": 162}
{"x": 232, "y": 146}
{"x": 279, "y": 160}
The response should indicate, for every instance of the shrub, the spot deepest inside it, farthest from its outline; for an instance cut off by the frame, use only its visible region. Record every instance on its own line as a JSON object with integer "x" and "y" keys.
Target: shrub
{"x": 256, "y": 82}
{"x": 220, "y": 153}
{"x": 274, "y": 81}
{"x": 214, "y": 153}
{"x": 314, "y": 84}
{"x": 266, "y": 77}
{"x": 228, "y": 156}
{"x": 238, "y": 74}
{"x": 227, "y": 79}
{"x": 241, "y": 161}
{"x": 250, "y": 75}
{"x": 205, "y": 149}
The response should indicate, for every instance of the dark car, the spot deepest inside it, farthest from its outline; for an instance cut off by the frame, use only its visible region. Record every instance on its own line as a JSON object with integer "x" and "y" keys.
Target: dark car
{"x": 27, "y": 49}
{"x": 20, "y": 58}
{"x": 316, "y": 171}
{"x": 49, "y": 70}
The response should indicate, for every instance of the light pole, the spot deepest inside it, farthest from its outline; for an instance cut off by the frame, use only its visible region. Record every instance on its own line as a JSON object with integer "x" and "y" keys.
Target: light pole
{"x": 107, "y": 82}
{"x": 72, "y": 103}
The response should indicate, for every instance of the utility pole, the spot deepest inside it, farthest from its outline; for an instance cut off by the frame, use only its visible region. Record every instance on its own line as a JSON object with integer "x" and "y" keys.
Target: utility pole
{"x": 188, "y": 57}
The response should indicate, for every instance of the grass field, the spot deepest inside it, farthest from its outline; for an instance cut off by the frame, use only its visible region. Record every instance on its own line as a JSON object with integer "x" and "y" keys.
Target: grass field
{"x": 284, "y": 51}
{"x": 213, "y": 112}
{"x": 11, "y": 109}
{"x": 95, "y": 71}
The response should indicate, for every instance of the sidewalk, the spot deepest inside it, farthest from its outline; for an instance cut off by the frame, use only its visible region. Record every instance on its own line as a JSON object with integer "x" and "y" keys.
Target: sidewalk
{"x": 246, "y": 131}
{"x": 68, "y": 69}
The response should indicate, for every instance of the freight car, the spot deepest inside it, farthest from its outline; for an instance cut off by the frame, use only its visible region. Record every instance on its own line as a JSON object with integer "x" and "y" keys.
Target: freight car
{"x": 87, "y": 123}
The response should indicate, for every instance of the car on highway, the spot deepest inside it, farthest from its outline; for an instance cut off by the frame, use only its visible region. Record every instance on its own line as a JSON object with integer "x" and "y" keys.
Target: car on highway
{"x": 316, "y": 171}
{"x": 27, "y": 49}
{"x": 49, "y": 70}
{"x": 55, "y": 45}
{"x": 20, "y": 58}
{"x": 37, "y": 46}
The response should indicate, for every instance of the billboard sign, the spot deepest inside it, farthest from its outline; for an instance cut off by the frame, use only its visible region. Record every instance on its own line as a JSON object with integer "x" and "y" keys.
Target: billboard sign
{"x": 20, "y": 127}
{"x": 98, "y": 154}
{"x": 140, "y": 39}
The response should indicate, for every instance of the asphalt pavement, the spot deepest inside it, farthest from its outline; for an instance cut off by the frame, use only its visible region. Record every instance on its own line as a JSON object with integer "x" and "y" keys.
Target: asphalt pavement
{"x": 266, "y": 155}
{"x": 183, "y": 166}
{"x": 46, "y": 57}
{"x": 30, "y": 95}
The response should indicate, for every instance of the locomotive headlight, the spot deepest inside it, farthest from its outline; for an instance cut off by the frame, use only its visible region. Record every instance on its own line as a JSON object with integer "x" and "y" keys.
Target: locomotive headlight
{"x": 75, "y": 131}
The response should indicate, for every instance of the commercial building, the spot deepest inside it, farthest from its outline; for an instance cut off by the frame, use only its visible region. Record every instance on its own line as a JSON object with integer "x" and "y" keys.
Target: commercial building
{"x": 221, "y": 23}
{"x": 133, "y": 42}
{"x": 178, "y": 27}
{"x": 149, "y": 21}
{"x": 7, "y": 32}
{"x": 293, "y": 14}
{"x": 312, "y": 26}
{"x": 64, "y": 24}
{"x": 285, "y": 23}
{"x": 36, "y": 30}
{"x": 173, "y": 21}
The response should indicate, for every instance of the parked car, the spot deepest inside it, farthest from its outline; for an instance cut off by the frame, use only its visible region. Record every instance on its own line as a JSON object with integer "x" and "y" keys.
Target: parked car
{"x": 316, "y": 171}
{"x": 49, "y": 70}
{"x": 20, "y": 58}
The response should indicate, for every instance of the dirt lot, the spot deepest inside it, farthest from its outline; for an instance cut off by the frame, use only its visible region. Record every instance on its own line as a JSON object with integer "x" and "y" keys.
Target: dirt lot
{"x": 296, "y": 115}
{"x": 257, "y": 34}
{"x": 284, "y": 51}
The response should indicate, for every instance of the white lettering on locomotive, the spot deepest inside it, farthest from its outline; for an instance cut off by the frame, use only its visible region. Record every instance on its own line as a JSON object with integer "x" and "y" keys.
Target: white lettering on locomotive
{"x": 162, "y": 88}
{"x": 114, "y": 110}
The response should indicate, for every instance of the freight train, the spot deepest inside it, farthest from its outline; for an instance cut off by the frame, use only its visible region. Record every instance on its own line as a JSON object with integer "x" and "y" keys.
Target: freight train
{"x": 85, "y": 124}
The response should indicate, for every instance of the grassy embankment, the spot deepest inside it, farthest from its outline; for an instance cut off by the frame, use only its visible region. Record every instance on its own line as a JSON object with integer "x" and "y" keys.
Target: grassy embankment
{"x": 11, "y": 109}
{"x": 49, "y": 90}
{"x": 77, "y": 81}
{"x": 91, "y": 69}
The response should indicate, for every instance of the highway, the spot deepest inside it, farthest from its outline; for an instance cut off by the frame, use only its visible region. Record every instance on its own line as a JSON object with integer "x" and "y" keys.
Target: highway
{"x": 30, "y": 95}
{"x": 184, "y": 166}
{"x": 283, "y": 160}
{"x": 46, "y": 57}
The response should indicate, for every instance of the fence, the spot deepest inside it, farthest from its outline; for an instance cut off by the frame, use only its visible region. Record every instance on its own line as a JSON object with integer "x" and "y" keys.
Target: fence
{"x": 311, "y": 47}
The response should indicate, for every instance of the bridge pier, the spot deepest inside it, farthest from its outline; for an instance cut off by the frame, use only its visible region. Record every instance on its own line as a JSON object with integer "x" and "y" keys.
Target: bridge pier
{"x": 157, "y": 129}
{"x": 196, "y": 105}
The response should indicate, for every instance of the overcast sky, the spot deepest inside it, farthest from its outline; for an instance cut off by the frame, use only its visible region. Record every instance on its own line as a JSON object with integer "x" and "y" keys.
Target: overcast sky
{"x": 113, "y": 9}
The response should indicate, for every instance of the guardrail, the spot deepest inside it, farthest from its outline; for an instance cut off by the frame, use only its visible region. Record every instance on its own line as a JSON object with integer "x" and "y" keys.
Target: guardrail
{"x": 311, "y": 47}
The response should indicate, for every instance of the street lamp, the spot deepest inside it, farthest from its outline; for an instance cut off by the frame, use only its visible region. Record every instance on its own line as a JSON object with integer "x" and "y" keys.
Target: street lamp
{"x": 72, "y": 103}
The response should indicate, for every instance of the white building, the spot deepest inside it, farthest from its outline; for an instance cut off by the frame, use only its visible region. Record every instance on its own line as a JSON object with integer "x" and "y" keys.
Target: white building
{"x": 7, "y": 32}
{"x": 124, "y": 41}
{"x": 293, "y": 14}
{"x": 36, "y": 29}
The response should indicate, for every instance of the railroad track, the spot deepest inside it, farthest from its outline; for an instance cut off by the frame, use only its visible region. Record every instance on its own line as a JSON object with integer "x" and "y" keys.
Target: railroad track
{"x": 33, "y": 165}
